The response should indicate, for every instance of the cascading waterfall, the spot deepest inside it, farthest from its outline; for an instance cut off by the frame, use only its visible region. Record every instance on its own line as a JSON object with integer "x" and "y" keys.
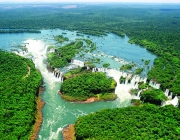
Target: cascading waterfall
{"x": 166, "y": 93}
{"x": 131, "y": 82}
{"x": 170, "y": 96}
{"x": 122, "y": 90}
{"x": 77, "y": 62}
{"x": 173, "y": 101}
{"x": 58, "y": 74}
{"x": 154, "y": 84}
{"x": 139, "y": 93}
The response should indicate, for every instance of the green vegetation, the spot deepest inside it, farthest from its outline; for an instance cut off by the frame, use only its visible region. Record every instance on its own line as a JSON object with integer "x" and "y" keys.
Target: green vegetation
{"x": 146, "y": 62}
{"x": 142, "y": 122}
{"x": 98, "y": 60}
{"x": 136, "y": 102}
{"x": 166, "y": 71}
{"x": 134, "y": 91}
{"x": 19, "y": 86}
{"x": 142, "y": 85}
{"x": 106, "y": 65}
{"x": 154, "y": 96}
{"x": 88, "y": 42}
{"x": 122, "y": 80}
{"x": 87, "y": 85}
{"x": 75, "y": 72}
{"x": 51, "y": 47}
{"x": 63, "y": 55}
{"x": 17, "y": 31}
{"x": 138, "y": 70}
{"x": 126, "y": 67}
{"x": 90, "y": 45}
{"x": 61, "y": 38}
{"x": 90, "y": 64}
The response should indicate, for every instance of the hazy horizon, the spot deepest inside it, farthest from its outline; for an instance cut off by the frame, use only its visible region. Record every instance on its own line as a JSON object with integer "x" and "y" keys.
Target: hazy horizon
{"x": 90, "y": 1}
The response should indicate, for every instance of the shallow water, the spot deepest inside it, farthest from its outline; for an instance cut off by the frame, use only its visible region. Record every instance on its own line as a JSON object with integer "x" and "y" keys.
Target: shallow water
{"x": 58, "y": 113}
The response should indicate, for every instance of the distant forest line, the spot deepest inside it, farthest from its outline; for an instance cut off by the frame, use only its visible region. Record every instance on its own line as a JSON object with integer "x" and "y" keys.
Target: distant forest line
{"x": 156, "y": 27}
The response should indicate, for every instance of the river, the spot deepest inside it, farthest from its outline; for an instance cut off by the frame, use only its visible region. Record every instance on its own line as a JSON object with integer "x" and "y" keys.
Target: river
{"x": 58, "y": 113}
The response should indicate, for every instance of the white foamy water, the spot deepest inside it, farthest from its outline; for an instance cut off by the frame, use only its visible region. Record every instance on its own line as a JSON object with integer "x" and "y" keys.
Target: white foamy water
{"x": 122, "y": 90}
{"x": 38, "y": 49}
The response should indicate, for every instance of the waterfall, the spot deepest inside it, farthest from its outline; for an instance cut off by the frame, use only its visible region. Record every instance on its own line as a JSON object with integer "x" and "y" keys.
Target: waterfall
{"x": 170, "y": 96}
{"x": 166, "y": 93}
{"x": 157, "y": 86}
{"x": 145, "y": 80}
{"x": 138, "y": 95}
{"x": 122, "y": 90}
{"x": 87, "y": 67}
{"x": 173, "y": 102}
{"x": 154, "y": 84}
{"x": 77, "y": 62}
{"x": 126, "y": 81}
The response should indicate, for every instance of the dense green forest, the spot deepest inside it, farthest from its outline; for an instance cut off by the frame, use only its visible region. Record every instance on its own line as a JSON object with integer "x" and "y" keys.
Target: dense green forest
{"x": 19, "y": 84}
{"x": 86, "y": 85}
{"x": 156, "y": 27}
{"x": 11, "y": 31}
{"x": 133, "y": 123}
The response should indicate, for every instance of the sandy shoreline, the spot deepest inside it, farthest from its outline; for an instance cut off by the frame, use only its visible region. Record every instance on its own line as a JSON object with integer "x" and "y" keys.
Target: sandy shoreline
{"x": 89, "y": 100}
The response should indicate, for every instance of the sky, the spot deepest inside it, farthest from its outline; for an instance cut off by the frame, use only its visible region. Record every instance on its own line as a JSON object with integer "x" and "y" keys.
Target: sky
{"x": 144, "y": 1}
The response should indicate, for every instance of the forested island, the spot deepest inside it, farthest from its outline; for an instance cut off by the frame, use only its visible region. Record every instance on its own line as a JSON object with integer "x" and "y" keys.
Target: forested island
{"x": 82, "y": 85}
{"x": 19, "y": 86}
{"x": 61, "y": 38}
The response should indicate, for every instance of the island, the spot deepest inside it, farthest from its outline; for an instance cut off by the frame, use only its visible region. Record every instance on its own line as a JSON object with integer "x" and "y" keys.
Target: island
{"x": 61, "y": 38}
{"x": 84, "y": 86}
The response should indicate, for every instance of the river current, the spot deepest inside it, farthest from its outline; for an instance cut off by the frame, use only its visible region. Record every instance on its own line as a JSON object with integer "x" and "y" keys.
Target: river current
{"x": 58, "y": 113}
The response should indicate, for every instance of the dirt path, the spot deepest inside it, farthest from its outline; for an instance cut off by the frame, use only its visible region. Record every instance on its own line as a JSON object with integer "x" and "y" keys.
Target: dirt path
{"x": 29, "y": 71}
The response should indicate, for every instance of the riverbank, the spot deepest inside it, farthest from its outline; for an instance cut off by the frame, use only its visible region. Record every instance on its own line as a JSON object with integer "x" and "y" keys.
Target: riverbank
{"x": 39, "y": 115}
{"x": 107, "y": 97}
{"x": 68, "y": 132}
